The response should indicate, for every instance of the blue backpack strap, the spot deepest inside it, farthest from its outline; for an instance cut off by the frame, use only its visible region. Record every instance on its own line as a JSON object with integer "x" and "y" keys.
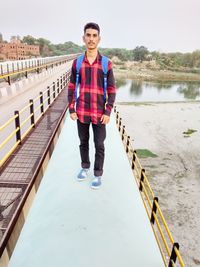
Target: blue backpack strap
{"x": 79, "y": 62}
{"x": 104, "y": 64}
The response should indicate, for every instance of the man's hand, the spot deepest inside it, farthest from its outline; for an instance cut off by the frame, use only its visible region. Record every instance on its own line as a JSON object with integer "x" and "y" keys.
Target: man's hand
{"x": 105, "y": 119}
{"x": 73, "y": 116}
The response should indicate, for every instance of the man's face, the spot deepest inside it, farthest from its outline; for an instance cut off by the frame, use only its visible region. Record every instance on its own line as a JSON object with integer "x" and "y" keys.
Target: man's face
{"x": 91, "y": 39}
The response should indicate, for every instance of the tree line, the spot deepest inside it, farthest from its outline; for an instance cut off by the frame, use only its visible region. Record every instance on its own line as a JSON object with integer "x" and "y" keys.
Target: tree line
{"x": 140, "y": 53}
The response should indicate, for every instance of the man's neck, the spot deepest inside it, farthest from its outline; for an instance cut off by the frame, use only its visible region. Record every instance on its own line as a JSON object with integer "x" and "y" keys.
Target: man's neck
{"x": 92, "y": 53}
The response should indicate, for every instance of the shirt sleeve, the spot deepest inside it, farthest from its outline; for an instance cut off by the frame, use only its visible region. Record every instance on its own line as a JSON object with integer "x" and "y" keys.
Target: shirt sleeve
{"x": 71, "y": 88}
{"x": 111, "y": 90}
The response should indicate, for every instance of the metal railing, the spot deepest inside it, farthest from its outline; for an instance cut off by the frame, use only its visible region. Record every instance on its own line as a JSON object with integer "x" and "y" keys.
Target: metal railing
{"x": 168, "y": 248}
{"x": 30, "y": 115}
{"x": 17, "y": 67}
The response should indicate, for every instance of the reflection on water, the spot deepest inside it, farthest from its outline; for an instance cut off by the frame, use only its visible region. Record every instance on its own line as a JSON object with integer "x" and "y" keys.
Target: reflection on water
{"x": 120, "y": 82}
{"x": 137, "y": 90}
{"x": 190, "y": 91}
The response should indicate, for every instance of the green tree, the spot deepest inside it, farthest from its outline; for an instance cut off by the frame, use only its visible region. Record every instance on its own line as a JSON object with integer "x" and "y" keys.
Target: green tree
{"x": 30, "y": 40}
{"x": 45, "y": 47}
{"x": 140, "y": 53}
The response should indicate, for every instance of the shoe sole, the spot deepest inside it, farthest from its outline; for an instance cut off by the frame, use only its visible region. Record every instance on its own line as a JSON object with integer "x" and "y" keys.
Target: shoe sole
{"x": 81, "y": 179}
{"x": 95, "y": 187}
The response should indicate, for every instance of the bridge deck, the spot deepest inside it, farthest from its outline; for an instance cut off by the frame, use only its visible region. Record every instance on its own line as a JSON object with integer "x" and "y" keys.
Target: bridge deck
{"x": 70, "y": 224}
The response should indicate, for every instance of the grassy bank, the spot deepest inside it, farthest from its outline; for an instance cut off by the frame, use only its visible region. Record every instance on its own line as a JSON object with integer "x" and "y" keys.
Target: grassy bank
{"x": 150, "y": 71}
{"x": 155, "y": 75}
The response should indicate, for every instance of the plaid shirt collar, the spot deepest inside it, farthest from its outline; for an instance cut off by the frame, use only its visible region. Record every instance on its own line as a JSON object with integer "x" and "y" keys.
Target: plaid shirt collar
{"x": 97, "y": 60}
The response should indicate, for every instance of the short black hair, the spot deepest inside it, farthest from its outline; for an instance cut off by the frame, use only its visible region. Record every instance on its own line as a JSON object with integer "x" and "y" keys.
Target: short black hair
{"x": 92, "y": 25}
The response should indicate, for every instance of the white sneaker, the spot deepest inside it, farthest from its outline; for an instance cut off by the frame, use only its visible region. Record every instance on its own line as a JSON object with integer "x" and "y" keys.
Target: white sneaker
{"x": 96, "y": 182}
{"x": 82, "y": 174}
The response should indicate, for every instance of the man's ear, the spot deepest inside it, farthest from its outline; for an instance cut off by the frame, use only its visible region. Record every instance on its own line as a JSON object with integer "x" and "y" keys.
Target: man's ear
{"x": 83, "y": 38}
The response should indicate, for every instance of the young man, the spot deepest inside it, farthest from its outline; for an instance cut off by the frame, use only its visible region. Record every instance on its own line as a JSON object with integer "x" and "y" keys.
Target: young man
{"x": 90, "y": 105}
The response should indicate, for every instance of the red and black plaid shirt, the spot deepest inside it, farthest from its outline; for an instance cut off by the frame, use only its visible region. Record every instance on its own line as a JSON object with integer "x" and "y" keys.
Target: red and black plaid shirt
{"x": 90, "y": 104}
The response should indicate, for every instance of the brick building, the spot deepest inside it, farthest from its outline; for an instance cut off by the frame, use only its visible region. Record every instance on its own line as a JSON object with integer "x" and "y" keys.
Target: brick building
{"x": 16, "y": 50}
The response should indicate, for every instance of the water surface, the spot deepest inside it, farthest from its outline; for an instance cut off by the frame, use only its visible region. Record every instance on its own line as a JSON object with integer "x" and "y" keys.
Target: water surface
{"x": 141, "y": 91}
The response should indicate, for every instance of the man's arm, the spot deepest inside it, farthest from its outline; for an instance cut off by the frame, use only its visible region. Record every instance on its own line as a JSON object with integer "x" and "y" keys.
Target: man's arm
{"x": 71, "y": 88}
{"x": 111, "y": 90}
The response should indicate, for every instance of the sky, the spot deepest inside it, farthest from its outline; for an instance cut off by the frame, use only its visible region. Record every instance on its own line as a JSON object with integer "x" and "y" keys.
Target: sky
{"x": 161, "y": 25}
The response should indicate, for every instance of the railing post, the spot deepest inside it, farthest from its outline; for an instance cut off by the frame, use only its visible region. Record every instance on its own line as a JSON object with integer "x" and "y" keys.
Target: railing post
{"x": 123, "y": 131}
{"x": 32, "y": 112}
{"x": 9, "y": 80}
{"x": 17, "y": 125}
{"x": 41, "y": 103}
{"x": 173, "y": 256}
{"x": 65, "y": 79}
{"x": 1, "y": 210}
{"x": 61, "y": 85}
{"x": 8, "y": 69}
{"x": 127, "y": 144}
{"x": 133, "y": 160}
{"x": 120, "y": 123}
{"x": 38, "y": 69}
{"x": 54, "y": 90}
{"x": 117, "y": 117}
{"x": 48, "y": 95}
{"x": 141, "y": 178}
{"x": 115, "y": 109}
{"x": 154, "y": 209}
{"x": 57, "y": 86}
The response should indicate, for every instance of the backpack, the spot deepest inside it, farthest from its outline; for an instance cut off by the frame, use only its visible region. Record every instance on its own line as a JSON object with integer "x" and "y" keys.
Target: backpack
{"x": 104, "y": 64}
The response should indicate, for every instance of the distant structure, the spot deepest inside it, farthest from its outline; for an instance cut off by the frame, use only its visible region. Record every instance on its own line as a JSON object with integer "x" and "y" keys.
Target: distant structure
{"x": 16, "y": 50}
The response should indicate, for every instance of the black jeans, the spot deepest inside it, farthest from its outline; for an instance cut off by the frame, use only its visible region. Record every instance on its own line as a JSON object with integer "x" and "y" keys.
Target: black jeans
{"x": 99, "y": 132}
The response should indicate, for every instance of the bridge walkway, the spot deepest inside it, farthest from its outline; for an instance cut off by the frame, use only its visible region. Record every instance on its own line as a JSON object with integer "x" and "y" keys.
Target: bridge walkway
{"x": 70, "y": 224}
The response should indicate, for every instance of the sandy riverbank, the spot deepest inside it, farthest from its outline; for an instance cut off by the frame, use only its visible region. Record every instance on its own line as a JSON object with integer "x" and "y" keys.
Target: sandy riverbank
{"x": 175, "y": 173}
